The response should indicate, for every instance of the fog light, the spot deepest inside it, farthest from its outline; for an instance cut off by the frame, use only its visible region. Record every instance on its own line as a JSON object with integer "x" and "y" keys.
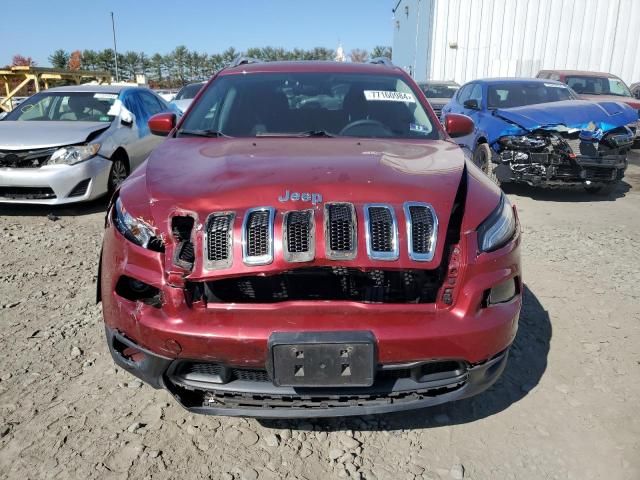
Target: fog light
{"x": 503, "y": 292}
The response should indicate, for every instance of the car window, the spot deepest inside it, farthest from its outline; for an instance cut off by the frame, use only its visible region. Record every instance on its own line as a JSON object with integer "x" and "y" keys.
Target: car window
{"x": 189, "y": 91}
{"x": 476, "y": 94}
{"x": 590, "y": 85}
{"x": 517, "y": 94}
{"x": 66, "y": 106}
{"x": 435, "y": 90}
{"x": 464, "y": 93}
{"x": 346, "y": 104}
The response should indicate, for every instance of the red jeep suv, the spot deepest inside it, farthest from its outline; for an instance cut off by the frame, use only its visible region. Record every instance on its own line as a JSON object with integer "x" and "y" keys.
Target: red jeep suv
{"x": 309, "y": 242}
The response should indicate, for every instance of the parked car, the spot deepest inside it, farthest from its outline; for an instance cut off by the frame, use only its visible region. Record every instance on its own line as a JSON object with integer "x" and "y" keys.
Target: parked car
{"x": 599, "y": 87}
{"x": 439, "y": 92}
{"x": 536, "y": 131}
{"x": 72, "y": 144}
{"x": 186, "y": 95}
{"x": 167, "y": 94}
{"x": 311, "y": 262}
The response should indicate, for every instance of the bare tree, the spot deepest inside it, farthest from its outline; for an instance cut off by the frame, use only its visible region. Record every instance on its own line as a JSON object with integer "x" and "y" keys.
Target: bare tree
{"x": 358, "y": 55}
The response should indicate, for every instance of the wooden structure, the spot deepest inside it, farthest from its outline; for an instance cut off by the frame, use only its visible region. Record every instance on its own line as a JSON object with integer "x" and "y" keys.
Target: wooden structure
{"x": 41, "y": 77}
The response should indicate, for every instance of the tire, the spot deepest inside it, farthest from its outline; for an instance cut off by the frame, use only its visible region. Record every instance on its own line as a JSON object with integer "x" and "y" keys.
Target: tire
{"x": 482, "y": 158}
{"x": 119, "y": 171}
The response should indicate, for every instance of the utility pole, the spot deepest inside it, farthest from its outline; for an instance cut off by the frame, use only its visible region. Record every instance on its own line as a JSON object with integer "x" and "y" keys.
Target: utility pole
{"x": 115, "y": 48}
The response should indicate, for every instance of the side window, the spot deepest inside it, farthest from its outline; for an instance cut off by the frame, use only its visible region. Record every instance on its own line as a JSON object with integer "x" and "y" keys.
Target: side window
{"x": 543, "y": 75}
{"x": 464, "y": 93}
{"x": 554, "y": 76}
{"x": 476, "y": 94}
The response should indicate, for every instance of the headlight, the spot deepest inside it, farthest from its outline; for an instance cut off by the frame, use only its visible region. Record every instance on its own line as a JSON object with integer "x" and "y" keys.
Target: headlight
{"x": 73, "y": 155}
{"x": 523, "y": 141}
{"x": 134, "y": 229}
{"x": 498, "y": 228}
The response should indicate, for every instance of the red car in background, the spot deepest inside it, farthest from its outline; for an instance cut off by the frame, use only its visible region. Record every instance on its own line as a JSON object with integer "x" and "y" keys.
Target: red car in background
{"x": 596, "y": 86}
{"x": 309, "y": 241}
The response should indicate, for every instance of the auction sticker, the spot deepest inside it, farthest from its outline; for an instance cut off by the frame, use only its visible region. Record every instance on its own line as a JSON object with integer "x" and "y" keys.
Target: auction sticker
{"x": 105, "y": 96}
{"x": 388, "y": 96}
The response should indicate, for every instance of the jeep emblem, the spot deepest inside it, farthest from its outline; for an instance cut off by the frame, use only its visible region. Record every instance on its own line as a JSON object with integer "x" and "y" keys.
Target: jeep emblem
{"x": 313, "y": 197}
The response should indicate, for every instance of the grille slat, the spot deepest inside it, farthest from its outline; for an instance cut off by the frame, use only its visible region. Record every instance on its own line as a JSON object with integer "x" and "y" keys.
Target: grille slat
{"x": 219, "y": 241}
{"x": 340, "y": 230}
{"x": 381, "y": 231}
{"x": 422, "y": 230}
{"x": 299, "y": 238}
{"x": 25, "y": 158}
{"x": 257, "y": 236}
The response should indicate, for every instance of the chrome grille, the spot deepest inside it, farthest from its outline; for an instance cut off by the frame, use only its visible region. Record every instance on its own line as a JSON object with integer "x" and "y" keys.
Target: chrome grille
{"x": 25, "y": 158}
{"x": 299, "y": 236}
{"x": 257, "y": 236}
{"x": 340, "y": 231}
{"x": 219, "y": 240}
{"x": 422, "y": 230}
{"x": 381, "y": 232}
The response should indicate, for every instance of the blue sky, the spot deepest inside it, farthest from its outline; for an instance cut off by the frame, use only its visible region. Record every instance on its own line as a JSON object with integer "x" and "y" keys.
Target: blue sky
{"x": 210, "y": 26}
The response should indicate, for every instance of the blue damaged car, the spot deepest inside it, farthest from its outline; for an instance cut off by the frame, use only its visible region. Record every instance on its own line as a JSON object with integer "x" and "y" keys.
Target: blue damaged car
{"x": 537, "y": 132}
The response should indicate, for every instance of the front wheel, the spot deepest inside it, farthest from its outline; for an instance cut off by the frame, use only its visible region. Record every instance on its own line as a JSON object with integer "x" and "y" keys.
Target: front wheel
{"x": 482, "y": 158}
{"x": 117, "y": 174}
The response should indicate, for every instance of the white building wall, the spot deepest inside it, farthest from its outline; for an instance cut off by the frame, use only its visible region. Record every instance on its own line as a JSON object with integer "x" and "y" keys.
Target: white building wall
{"x": 467, "y": 39}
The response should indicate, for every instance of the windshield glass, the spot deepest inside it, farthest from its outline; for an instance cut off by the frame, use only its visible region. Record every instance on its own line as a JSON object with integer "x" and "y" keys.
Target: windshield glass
{"x": 512, "y": 94}
{"x": 66, "y": 107}
{"x": 188, "y": 92}
{"x": 438, "y": 90}
{"x": 297, "y": 104}
{"x": 598, "y": 86}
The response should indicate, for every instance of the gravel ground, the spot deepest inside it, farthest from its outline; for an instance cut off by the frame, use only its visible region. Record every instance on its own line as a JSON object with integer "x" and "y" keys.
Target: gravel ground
{"x": 565, "y": 408}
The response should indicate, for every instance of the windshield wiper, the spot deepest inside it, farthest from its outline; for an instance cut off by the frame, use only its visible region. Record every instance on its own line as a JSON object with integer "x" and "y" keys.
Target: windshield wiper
{"x": 309, "y": 133}
{"x": 203, "y": 133}
{"x": 315, "y": 133}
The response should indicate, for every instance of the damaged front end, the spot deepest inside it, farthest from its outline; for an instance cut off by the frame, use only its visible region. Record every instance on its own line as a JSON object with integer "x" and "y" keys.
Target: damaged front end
{"x": 562, "y": 157}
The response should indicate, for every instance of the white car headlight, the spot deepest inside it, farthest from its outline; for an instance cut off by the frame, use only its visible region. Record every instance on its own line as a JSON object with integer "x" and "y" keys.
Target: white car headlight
{"x": 134, "y": 229}
{"x": 498, "y": 228}
{"x": 73, "y": 155}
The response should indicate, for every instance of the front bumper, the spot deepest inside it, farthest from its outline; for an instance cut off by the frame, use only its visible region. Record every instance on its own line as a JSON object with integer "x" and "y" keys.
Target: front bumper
{"x": 237, "y": 335}
{"x": 251, "y": 396}
{"x": 55, "y": 184}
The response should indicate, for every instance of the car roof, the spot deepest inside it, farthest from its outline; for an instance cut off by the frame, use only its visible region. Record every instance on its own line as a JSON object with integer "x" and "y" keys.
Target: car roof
{"x": 488, "y": 81}
{"x": 439, "y": 82}
{"x": 583, "y": 73}
{"x": 94, "y": 88}
{"x": 310, "y": 66}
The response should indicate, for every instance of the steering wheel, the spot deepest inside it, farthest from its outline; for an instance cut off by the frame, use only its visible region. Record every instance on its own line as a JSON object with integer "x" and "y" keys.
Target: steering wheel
{"x": 364, "y": 127}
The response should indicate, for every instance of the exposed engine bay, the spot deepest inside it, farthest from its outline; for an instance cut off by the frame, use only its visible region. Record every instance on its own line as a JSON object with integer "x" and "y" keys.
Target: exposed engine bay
{"x": 562, "y": 157}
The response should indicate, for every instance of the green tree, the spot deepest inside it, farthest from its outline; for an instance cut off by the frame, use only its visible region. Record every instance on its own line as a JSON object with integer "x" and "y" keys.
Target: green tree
{"x": 59, "y": 59}
{"x": 381, "y": 51}
{"x": 90, "y": 59}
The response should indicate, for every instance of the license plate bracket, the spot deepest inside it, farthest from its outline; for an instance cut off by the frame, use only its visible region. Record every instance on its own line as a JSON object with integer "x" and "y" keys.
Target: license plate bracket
{"x": 322, "y": 359}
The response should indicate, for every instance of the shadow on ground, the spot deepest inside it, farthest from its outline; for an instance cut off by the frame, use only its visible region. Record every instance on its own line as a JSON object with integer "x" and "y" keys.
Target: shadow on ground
{"x": 527, "y": 363}
{"x": 572, "y": 194}
{"x": 73, "y": 210}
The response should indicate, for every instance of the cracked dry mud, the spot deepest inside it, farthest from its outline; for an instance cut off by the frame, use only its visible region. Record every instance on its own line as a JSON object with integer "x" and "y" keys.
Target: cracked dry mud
{"x": 565, "y": 408}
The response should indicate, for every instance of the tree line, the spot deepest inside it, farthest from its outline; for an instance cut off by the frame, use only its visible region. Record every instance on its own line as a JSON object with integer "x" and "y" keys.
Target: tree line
{"x": 182, "y": 65}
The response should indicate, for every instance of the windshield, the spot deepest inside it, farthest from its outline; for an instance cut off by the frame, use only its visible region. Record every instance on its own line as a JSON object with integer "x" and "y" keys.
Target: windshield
{"x": 598, "y": 86}
{"x": 512, "y": 94}
{"x": 438, "y": 90}
{"x": 188, "y": 92}
{"x": 313, "y": 104}
{"x": 66, "y": 107}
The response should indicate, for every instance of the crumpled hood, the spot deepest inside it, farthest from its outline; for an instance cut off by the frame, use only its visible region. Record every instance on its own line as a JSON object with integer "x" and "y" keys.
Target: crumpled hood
{"x": 206, "y": 175}
{"x": 573, "y": 114}
{"x": 23, "y": 135}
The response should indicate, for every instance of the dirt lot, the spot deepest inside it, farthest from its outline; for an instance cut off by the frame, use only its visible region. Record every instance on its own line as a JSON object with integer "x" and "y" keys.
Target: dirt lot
{"x": 565, "y": 408}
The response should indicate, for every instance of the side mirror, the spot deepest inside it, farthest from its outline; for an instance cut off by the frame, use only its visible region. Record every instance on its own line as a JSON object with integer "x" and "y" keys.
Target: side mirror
{"x": 457, "y": 125}
{"x": 161, "y": 124}
{"x": 472, "y": 104}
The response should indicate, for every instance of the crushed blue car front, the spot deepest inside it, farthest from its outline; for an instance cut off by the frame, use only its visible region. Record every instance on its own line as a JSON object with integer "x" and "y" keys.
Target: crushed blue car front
{"x": 553, "y": 143}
